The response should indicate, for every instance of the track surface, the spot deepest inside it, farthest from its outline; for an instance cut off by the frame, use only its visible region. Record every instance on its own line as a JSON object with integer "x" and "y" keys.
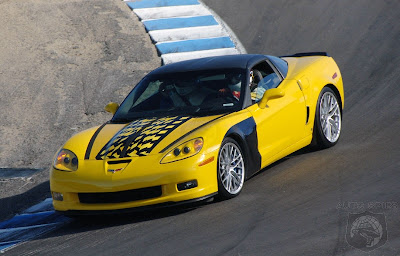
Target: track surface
{"x": 300, "y": 205}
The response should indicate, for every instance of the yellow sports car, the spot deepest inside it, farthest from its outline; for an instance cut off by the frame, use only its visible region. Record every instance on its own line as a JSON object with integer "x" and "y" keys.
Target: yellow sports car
{"x": 198, "y": 129}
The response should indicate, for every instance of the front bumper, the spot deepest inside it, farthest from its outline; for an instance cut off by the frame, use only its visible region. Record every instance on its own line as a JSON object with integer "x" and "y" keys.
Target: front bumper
{"x": 138, "y": 209}
{"x": 93, "y": 177}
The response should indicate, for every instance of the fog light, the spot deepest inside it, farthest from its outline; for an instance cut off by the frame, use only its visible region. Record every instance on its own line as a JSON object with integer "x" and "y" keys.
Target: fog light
{"x": 187, "y": 185}
{"x": 186, "y": 150}
{"x": 57, "y": 196}
{"x": 177, "y": 151}
{"x": 74, "y": 161}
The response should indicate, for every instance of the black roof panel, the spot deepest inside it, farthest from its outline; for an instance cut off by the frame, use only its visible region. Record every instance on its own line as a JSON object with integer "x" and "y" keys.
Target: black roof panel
{"x": 241, "y": 61}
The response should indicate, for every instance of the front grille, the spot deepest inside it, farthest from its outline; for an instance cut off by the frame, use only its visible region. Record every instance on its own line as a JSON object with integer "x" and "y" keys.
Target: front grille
{"x": 121, "y": 196}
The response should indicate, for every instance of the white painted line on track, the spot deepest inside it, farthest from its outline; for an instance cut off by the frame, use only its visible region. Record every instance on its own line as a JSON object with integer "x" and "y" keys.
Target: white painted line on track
{"x": 181, "y": 56}
{"x": 202, "y": 44}
{"x": 171, "y": 12}
{"x": 187, "y": 33}
{"x": 179, "y": 22}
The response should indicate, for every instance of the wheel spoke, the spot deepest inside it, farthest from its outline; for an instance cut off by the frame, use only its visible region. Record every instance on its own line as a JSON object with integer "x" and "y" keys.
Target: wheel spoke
{"x": 233, "y": 156}
{"x": 229, "y": 182}
{"x": 236, "y": 180}
{"x": 224, "y": 178}
{"x": 334, "y": 125}
{"x": 323, "y": 122}
{"x": 236, "y": 165}
{"x": 330, "y": 131}
{"x": 231, "y": 152}
{"x": 223, "y": 170}
{"x": 325, "y": 104}
{"x": 333, "y": 109}
{"x": 326, "y": 132}
{"x": 226, "y": 155}
{"x": 237, "y": 156}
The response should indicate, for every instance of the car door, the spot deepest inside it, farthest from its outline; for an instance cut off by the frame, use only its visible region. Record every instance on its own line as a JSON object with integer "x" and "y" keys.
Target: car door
{"x": 282, "y": 122}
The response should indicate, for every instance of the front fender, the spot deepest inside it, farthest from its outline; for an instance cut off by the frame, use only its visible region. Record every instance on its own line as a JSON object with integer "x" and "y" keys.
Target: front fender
{"x": 245, "y": 133}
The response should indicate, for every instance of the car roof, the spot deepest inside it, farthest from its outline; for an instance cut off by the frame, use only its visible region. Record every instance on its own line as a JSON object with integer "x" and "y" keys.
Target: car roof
{"x": 240, "y": 61}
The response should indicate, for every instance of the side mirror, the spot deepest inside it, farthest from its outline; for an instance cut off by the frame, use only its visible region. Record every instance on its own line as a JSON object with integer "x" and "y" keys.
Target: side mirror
{"x": 111, "y": 107}
{"x": 270, "y": 94}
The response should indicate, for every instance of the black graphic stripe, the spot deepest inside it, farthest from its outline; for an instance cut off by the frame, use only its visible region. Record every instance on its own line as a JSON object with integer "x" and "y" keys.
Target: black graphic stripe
{"x": 120, "y": 161}
{"x": 186, "y": 134}
{"x": 140, "y": 137}
{"x": 91, "y": 142}
{"x": 133, "y": 137}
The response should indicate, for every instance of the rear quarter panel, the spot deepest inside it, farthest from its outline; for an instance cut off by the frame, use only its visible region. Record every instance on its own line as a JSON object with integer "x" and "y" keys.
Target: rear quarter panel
{"x": 312, "y": 75}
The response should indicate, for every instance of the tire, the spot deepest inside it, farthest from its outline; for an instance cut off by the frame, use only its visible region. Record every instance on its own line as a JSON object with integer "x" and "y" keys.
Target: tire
{"x": 230, "y": 169}
{"x": 328, "y": 120}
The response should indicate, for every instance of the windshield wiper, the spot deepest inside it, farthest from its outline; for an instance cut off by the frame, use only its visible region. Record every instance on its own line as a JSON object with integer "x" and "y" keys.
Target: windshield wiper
{"x": 212, "y": 110}
{"x": 204, "y": 111}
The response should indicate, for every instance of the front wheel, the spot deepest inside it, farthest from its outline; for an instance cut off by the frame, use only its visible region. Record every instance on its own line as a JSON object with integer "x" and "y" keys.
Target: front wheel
{"x": 231, "y": 169}
{"x": 328, "y": 119}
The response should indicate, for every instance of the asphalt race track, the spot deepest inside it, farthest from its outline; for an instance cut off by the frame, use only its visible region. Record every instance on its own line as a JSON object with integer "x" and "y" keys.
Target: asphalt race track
{"x": 302, "y": 204}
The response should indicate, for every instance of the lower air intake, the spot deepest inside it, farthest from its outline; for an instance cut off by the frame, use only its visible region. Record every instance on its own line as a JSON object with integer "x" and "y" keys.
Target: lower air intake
{"x": 120, "y": 196}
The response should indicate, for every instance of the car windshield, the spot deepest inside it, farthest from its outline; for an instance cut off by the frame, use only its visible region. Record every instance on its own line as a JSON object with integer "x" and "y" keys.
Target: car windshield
{"x": 197, "y": 93}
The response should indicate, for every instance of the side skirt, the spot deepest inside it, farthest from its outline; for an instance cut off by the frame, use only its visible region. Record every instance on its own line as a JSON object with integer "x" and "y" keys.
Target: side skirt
{"x": 289, "y": 150}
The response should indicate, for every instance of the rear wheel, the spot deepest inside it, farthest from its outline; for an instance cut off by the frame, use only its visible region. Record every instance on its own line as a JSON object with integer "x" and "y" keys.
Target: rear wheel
{"x": 328, "y": 119}
{"x": 231, "y": 169}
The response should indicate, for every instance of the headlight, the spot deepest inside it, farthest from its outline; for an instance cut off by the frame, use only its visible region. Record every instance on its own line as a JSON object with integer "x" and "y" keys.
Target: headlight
{"x": 184, "y": 150}
{"x": 66, "y": 161}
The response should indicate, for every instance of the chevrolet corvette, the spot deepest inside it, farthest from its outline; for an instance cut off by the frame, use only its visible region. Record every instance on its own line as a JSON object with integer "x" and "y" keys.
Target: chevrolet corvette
{"x": 198, "y": 129}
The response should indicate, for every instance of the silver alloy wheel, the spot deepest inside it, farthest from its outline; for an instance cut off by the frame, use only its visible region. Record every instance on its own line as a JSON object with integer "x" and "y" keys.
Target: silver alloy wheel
{"x": 231, "y": 168}
{"x": 330, "y": 118}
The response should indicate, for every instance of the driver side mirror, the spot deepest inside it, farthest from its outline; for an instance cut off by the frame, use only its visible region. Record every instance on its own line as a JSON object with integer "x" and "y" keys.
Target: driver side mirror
{"x": 111, "y": 107}
{"x": 270, "y": 94}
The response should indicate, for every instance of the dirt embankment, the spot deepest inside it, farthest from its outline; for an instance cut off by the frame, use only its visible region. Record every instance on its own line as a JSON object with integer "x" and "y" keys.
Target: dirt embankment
{"x": 61, "y": 62}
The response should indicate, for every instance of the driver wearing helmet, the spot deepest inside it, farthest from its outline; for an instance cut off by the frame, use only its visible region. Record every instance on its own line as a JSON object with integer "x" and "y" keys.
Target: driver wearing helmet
{"x": 234, "y": 84}
{"x": 188, "y": 93}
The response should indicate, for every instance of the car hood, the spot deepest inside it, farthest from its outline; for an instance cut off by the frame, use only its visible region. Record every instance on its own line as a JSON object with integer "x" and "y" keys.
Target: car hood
{"x": 143, "y": 136}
